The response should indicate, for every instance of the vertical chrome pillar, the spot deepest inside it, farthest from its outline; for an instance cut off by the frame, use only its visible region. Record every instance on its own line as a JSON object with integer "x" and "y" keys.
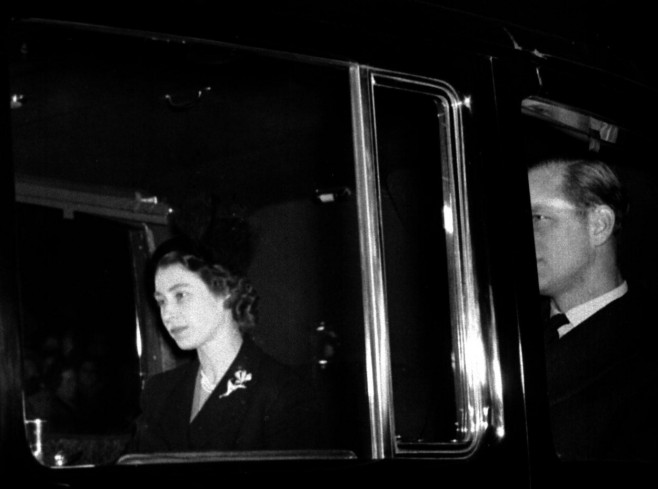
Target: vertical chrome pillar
{"x": 376, "y": 333}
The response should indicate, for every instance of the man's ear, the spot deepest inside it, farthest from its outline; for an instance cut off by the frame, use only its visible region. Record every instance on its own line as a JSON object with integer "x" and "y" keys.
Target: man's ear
{"x": 601, "y": 224}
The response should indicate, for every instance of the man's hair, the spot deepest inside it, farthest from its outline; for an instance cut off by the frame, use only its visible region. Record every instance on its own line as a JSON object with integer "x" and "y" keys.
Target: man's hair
{"x": 591, "y": 182}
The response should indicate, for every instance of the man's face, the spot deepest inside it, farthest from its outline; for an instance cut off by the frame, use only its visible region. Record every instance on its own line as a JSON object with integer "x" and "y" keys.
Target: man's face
{"x": 562, "y": 240}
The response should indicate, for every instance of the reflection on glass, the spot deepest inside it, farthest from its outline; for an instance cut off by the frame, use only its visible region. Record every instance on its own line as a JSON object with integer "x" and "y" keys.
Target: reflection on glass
{"x": 35, "y": 429}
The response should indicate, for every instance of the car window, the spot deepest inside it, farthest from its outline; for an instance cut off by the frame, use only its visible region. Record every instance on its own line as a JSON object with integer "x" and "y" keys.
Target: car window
{"x": 444, "y": 373}
{"x": 114, "y": 135}
{"x": 599, "y": 368}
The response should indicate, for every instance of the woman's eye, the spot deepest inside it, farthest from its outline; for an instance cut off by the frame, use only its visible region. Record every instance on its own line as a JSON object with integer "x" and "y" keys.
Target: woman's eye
{"x": 180, "y": 296}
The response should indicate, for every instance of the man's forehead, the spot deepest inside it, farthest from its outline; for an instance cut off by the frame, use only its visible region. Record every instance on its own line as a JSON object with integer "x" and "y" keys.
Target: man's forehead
{"x": 551, "y": 203}
{"x": 549, "y": 173}
{"x": 546, "y": 188}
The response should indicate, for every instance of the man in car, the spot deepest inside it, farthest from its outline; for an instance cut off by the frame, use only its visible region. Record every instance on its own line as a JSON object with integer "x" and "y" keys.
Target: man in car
{"x": 600, "y": 379}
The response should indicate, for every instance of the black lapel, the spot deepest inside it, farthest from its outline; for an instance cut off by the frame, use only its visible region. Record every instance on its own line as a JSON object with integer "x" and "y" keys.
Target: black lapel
{"x": 218, "y": 423}
{"x": 175, "y": 419}
{"x": 587, "y": 352}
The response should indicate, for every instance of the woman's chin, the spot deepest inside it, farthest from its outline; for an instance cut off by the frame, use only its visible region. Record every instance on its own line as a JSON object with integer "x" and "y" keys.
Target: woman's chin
{"x": 184, "y": 344}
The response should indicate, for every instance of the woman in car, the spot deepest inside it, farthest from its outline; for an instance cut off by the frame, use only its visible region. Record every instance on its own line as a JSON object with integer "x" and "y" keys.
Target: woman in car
{"x": 232, "y": 396}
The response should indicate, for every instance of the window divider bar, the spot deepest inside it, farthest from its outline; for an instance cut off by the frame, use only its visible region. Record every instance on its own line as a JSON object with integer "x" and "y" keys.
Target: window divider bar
{"x": 376, "y": 330}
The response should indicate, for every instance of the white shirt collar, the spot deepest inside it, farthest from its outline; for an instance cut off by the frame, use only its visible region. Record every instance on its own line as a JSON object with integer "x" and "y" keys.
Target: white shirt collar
{"x": 580, "y": 313}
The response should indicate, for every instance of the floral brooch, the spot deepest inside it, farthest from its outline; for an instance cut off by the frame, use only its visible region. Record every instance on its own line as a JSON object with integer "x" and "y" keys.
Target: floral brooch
{"x": 240, "y": 378}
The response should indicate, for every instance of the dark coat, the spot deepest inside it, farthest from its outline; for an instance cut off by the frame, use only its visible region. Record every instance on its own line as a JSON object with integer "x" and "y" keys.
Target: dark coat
{"x": 602, "y": 385}
{"x": 274, "y": 410}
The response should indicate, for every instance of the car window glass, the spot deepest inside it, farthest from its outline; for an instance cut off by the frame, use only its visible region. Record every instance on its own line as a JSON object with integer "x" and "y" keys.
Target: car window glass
{"x": 110, "y": 135}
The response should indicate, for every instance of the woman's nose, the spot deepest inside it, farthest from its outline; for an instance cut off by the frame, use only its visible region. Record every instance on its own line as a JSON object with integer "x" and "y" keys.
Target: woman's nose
{"x": 166, "y": 312}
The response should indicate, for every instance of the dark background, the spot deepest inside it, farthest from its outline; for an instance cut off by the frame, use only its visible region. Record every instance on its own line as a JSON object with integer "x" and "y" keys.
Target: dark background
{"x": 614, "y": 33}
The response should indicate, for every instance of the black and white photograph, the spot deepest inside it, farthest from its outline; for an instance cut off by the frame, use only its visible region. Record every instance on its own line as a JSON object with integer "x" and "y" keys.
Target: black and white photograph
{"x": 308, "y": 243}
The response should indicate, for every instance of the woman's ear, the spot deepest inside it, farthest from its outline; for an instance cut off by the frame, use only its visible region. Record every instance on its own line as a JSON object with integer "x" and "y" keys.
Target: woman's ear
{"x": 224, "y": 301}
{"x": 601, "y": 224}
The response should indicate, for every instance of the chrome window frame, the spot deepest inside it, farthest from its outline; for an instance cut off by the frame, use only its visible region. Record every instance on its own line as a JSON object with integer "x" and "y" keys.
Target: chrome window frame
{"x": 479, "y": 392}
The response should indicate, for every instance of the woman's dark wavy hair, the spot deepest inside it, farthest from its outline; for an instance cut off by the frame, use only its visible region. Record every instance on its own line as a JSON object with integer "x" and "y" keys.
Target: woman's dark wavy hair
{"x": 242, "y": 298}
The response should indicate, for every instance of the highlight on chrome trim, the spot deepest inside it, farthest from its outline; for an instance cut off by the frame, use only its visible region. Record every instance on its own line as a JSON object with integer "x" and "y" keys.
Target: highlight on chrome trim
{"x": 476, "y": 362}
{"x": 377, "y": 358}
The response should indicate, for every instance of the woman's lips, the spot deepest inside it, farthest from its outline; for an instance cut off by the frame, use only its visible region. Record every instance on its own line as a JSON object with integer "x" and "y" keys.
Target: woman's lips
{"x": 177, "y": 330}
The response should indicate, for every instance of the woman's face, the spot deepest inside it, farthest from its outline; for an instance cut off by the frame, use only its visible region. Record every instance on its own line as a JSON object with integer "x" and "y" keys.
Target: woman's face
{"x": 191, "y": 312}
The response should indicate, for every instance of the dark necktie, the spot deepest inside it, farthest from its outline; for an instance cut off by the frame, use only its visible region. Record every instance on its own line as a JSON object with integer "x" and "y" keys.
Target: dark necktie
{"x": 554, "y": 323}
